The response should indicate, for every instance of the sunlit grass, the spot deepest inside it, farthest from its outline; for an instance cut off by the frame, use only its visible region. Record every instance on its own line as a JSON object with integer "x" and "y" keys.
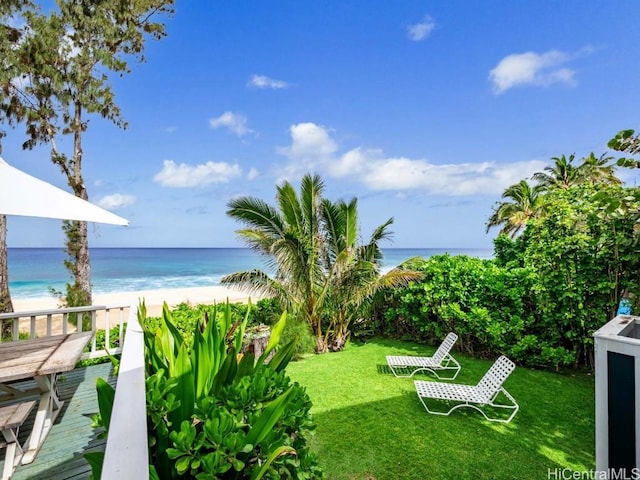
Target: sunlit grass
{"x": 371, "y": 424}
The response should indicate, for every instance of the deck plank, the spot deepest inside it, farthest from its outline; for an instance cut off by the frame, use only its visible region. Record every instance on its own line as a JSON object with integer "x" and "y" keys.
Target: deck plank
{"x": 61, "y": 455}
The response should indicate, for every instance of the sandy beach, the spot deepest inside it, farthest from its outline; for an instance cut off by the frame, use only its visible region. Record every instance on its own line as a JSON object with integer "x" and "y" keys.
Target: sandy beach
{"x": 153, "y": 298}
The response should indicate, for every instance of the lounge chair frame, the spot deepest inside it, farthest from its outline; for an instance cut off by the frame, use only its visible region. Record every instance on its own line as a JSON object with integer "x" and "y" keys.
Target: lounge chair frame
{"x": 441, "y": 361}
{"x": 478, "y": 396}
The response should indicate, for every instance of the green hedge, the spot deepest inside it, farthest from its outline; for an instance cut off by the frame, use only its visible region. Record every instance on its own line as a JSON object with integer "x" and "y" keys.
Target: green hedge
{"x": 491, "y": 308}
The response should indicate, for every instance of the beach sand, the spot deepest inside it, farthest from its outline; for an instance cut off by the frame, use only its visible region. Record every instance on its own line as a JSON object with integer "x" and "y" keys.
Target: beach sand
{"x": 153, "y": 300}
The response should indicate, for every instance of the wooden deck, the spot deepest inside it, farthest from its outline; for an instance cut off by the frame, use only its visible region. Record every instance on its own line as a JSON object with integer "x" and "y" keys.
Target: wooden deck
{"x": 71, "y": 435}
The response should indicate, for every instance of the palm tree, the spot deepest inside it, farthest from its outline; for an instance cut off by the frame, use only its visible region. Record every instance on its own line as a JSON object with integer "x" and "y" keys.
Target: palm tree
{"x": 524, "y": 203}
{"x": 598, "y": 170}
{"x": 563, "y": 174}
{"x": 353, "y": 270}
{"x": 321, "y": 273}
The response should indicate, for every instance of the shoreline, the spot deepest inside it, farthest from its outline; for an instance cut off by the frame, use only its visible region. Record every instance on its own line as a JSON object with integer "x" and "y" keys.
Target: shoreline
{"x": 153, "y": 298}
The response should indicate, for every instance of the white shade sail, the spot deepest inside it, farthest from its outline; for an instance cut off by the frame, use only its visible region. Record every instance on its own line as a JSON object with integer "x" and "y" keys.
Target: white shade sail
{"x": 25, "y": 195}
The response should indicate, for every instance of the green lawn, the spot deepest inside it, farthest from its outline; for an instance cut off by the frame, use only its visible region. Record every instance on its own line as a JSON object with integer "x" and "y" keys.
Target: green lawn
{"x": 371, "y": 424}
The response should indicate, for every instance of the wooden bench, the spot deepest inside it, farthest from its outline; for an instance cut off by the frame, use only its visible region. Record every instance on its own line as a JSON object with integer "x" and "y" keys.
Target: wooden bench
{"x": 11, "y": 419}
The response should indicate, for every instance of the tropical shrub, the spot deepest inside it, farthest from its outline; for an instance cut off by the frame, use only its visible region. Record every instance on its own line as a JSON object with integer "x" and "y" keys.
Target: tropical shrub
{"x": 490, "y": 308}
{"x": 185, "y": 316}
{"x": 584, "y": 253}
{"x": 267, "y": 311}
{"x": 216, "y": 414}
{"x": 547, "y": 290}
{"x": 580, "y": 238}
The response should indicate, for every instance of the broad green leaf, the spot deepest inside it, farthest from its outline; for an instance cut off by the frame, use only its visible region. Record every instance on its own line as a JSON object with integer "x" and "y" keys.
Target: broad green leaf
{"x": 227, "y": 371}
{"x": 95, "y": 461}
{"x": 282, "y": 450}
{"x": 166, "y": 341}
{"x": 226, "y": 318}
{"x": 274, "y": 339}
{"x": 182, "y": 465}
{"x": 202, "y": 362}
{"x": 242, "y": 328}
{"x": 276, "y": 332}
{"x": 283, "y": 356}
{"x": 246, "y": 365}
{"x": 142, "y": 314}
{"x": 106, "y": 396}
{"x": 168, "y": 321}
{"x": 185, "y": 389}
{"x": 213, "y": 347}
{"x": 153, "y": 474}
{"x": 268, "y": 418}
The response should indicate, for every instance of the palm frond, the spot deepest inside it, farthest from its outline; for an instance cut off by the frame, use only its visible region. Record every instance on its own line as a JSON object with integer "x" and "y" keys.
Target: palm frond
{"x": 311, "y": 189}
{"x": 257, "y": 214}
{"x": 256, "y": 282}
{"x": 290, "y": 207}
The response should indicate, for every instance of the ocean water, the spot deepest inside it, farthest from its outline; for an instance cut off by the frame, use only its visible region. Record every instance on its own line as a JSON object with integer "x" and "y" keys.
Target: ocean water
{"x": 33, "y": 271}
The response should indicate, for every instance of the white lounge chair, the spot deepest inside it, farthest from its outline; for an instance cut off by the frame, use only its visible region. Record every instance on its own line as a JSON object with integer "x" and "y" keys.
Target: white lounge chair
{"x": 477, "y": 396}
{"x": 441, "y": 361}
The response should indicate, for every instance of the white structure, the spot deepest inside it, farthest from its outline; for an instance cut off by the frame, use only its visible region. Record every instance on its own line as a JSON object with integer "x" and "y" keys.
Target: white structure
{"x": 617, "y": 357}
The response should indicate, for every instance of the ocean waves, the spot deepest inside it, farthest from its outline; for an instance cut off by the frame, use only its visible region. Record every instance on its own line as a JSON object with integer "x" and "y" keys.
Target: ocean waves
{"x": 35, "y": 272}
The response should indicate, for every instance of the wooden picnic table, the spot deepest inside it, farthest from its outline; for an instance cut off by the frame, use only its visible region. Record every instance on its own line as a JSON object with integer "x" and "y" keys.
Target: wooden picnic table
{"x": 40, "y": 359}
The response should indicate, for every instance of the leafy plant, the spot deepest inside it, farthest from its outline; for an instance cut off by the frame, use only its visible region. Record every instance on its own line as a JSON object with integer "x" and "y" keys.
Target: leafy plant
{"x": 214, "y": 413}
{"x": 106, "y": 395}
{"x": 490, "y": 307}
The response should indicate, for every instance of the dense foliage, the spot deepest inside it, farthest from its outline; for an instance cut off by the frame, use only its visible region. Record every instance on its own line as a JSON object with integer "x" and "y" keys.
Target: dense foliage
{"x": 491, "y": 308}
{"x": 547, "y": 290}
{"x": 585, "y": 257}
{"x": 266, "y": 311}
{"x": 214, "y": 413}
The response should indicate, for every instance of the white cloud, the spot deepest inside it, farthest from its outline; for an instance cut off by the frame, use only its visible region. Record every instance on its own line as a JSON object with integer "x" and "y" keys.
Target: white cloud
{"x": 312, "y": 148}
{"x": 451, "y": 179}
{"x": 183, "y": 175}
{"x": 262, "y": 82}
{"x": 116, "y": 200}
{"x": 354, "y": 162}
{"x": 532, "y": 68}
{"x": 234, "y": 122}
{"x": 422, "y": 30}
{"x": 311, "y": 145}
{"x": 253, "y": 173}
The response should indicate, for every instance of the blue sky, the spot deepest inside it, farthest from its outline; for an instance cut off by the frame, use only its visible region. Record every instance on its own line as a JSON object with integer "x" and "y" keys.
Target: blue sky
{"x": 426, "y": 111}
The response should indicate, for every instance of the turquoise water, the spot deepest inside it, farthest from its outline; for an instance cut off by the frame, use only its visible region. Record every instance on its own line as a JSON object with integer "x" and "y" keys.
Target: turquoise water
{"x": 33, "y": 270}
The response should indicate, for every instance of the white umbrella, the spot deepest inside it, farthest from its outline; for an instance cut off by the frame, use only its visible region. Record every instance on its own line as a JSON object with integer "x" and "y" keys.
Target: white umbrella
{"x": 22, "y": 194}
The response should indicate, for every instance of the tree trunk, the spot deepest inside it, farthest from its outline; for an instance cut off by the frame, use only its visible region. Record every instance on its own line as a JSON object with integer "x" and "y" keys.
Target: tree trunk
{"x": 321, "y": 345}
{"x": 83, "y": 265}
{"x": 338, "y": 342}
{"x": 77, "y": 238}
{"x": 5, "y": 296}
{"x": 258, "y": 344}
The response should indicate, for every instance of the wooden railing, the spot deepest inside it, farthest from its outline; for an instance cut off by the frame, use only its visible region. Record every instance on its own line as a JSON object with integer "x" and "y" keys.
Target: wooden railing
{"x": 127, "y": 451}
{"x": 45, "y": 323}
